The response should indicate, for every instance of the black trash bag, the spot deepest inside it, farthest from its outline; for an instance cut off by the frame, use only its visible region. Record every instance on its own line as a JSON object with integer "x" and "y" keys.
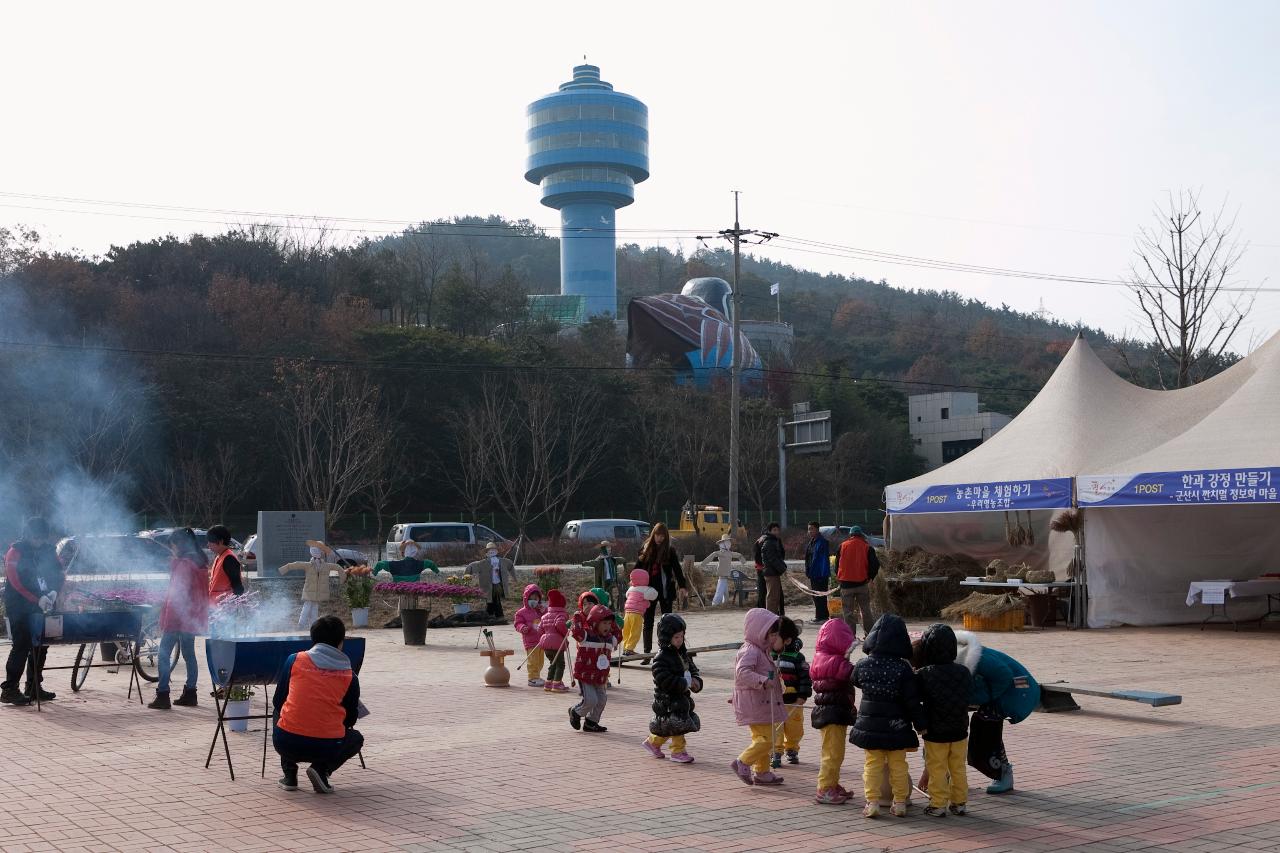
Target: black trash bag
{"x": 986, "y": 744}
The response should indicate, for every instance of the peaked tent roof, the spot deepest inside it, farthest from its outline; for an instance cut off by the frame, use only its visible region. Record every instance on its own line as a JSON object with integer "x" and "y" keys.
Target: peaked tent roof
{"x": 1087, "y": 420}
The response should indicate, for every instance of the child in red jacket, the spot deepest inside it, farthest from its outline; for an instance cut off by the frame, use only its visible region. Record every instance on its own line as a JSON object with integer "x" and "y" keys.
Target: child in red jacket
{"x": 596, "y": 639}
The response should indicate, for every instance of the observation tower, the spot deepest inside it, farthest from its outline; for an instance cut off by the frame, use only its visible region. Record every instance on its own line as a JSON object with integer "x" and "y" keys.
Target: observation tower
{"x": 588, "y": 148}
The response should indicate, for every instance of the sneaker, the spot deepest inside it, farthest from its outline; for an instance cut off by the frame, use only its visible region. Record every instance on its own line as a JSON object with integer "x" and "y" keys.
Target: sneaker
{"x": 777, "y": 760}
{"x": 682, "y": 758}
{"x": 161, "y": 702}
{"x": 45, "y": 695}
{"x": 935, "y": 811}
{"x": 793, "y": 756}
{"x": 593, "y": 726}
{"x": 14, "y": 696}
{"x": 743, "y": 771}
{"x": 768, "y": 777}
{"x": 188, "y": 698}
{"x": 560, "y": 688}
{"x": 289, "y": 781}
{"x": 654, "y": 750}
{"x": 958, "y": 809}
{"x": 898, "y": 809}
{"x": 536, "y": 682}
{"x": 831, "y": 797}
{"x": 548, "y": 687}
{"x": 319, "y": 780}
{"x": 841, "y": 788}
{"x": 1004, "y": 784}
{"x": 575, "y": 719}
{"x": 871, "y": 809}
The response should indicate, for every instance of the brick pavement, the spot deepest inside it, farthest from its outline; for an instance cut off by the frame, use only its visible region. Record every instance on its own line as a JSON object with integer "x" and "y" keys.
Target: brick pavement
{"x": 456, "y": 766}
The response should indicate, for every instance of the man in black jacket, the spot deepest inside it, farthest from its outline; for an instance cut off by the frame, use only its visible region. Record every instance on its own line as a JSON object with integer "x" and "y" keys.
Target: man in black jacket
{"x": 773, "y": 556}
{"x": 944, "y": 689}
{"x": 33, "y": 579}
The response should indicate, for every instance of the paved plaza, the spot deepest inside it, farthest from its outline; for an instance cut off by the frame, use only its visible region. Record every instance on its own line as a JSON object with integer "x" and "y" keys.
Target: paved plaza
{"x": 455, "y": 766}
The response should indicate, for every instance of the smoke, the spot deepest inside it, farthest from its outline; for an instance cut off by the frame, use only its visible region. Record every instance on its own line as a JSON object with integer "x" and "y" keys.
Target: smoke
{"x": 74, "y": 424}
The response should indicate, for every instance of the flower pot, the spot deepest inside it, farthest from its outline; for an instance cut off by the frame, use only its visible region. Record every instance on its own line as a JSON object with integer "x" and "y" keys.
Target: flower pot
{"x": 464, "y": 607}
{"x": 360, "y": 617}
{"x": 238, "y": 708}
{"x": 413, "y": 622}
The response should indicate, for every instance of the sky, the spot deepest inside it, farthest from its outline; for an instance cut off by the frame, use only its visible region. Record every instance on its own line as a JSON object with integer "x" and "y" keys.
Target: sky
{"x": 1022, "y": 135}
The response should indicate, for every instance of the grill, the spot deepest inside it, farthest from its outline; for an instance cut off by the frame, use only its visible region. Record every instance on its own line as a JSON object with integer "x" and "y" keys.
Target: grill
{"x": 87, "y": 629}
{"x": 257, "y": 661}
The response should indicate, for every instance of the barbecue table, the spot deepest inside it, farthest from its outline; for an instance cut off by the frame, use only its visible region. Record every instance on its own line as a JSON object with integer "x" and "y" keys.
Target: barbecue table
{"x": 86, "y": 627}
{"x": 257, "y": 662}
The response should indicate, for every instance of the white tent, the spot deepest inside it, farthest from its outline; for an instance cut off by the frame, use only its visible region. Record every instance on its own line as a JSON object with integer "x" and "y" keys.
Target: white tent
{"x": 1146, "y": 540}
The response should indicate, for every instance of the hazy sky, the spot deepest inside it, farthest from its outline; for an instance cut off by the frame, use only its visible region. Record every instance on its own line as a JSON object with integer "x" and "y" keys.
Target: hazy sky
{"x": 1022, "y": 135}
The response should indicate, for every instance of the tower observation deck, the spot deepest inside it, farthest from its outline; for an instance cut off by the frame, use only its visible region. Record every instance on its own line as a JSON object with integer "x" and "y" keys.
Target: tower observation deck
{"x": 588, "y": 148}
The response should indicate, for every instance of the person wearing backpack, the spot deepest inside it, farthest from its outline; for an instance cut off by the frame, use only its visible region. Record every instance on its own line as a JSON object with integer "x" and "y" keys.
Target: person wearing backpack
{"x": 856, "y": 566}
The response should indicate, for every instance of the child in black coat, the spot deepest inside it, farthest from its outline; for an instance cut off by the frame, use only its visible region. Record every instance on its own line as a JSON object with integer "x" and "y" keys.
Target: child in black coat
{"x": 675, "y": 680}
{"x": 889, "y": 709}
{"x": 944, "y": 688}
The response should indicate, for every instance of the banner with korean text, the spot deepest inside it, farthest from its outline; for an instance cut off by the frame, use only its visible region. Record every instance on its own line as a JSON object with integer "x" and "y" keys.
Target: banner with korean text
{"x": 1181, "y": 488}
{"x": 981, "y": 497}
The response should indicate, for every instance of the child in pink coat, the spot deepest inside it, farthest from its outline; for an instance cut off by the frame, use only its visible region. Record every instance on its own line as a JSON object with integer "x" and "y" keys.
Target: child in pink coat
{"x": 639, "y": 594}
{"x": 757, "y": 695}
{"x": 554, "y": 626}
{"x": 526, "y": 623}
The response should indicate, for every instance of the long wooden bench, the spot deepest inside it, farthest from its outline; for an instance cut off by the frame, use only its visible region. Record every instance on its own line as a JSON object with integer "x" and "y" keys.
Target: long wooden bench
{"x": 1058, "y": 696}
{"x": 693, "y": 652}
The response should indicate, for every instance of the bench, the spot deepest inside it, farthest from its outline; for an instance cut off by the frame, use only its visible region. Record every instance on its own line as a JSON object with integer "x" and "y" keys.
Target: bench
{"x": 693, "y": 652}
{"x": 1057, "y": 696}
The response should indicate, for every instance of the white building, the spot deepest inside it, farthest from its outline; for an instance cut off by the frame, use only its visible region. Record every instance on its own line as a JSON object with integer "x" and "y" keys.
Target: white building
{"x": 948, "y": 425}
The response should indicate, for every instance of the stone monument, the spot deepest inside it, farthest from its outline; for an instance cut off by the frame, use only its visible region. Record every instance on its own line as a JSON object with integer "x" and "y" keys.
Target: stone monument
{"x": 282, "y": 538}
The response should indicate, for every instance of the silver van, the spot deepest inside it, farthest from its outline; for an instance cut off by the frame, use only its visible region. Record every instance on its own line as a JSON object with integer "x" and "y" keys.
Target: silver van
{"x": 598, "y": 529}
{"x": 438, "y": 534}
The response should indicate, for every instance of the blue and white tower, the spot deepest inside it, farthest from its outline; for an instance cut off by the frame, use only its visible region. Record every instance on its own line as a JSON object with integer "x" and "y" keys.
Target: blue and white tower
{"x": 588, "y": 148}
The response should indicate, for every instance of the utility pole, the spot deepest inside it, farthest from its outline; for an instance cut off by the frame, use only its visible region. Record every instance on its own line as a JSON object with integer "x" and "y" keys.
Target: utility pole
{"x": 782, "y": 469}
{"x": 735, "y": 234}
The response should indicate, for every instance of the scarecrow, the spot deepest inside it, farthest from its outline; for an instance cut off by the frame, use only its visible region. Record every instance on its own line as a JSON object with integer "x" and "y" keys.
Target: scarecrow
{"x": 315, "y": 584}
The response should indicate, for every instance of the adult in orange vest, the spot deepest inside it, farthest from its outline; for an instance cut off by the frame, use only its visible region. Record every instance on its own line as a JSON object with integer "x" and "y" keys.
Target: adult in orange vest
{"x": 225, "y": 579}
{"x": 856, "y": 566}
{"x": 316, "y": 704}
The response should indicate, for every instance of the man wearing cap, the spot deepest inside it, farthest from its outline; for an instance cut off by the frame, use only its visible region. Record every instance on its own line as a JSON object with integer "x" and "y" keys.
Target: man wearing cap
{"x": 494, "y": 575}
{"x": 315, "y": 583}
{"x": 608, "y": 570}
{"x": 724, "y": 557}
{"x": 856, "y": 566}
{"x": 817, "y": 566}
{"x": 33, "y": 579}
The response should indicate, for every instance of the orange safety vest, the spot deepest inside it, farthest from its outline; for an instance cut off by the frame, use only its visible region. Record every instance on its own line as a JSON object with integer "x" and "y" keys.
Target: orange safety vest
{"x": 313, "y": 707}
{"x": 854, "y": 565}
{"x": 219, "y": 583}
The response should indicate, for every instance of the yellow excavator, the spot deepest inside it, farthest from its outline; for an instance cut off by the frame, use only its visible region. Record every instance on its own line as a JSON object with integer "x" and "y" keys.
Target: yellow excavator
{"x": 709, "y": 523}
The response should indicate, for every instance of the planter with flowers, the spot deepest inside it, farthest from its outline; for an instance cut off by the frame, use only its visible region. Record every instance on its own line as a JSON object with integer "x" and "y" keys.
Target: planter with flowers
{"x": 547, "y": 578}
{"x": 238, "y": 706}
{"x": 415, "y": 603}
{"x": 357, "y": 590}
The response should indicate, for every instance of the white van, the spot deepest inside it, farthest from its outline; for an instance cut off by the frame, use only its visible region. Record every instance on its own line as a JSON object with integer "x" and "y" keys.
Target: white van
{"x": 595, "y": 530}
{"x": 438, "y": 534}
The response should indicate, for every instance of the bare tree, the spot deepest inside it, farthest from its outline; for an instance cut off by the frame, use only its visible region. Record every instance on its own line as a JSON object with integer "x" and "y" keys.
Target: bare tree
{"x": 333, "y": 431}
{"x": 758, "y": 468}
{"x": 467, "y": 471}
{"x": 196, "y": 487}
{"x": 646, "y": 451}
{"x": 393, "y": 473}
{"x": 544, "y": 440}
{"x": 699, "y": 427}
{"x": 1183, "y": 265}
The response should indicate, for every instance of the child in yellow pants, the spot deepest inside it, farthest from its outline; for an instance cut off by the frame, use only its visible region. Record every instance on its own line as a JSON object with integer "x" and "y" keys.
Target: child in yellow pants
{"x": 640, "y": 597}
{"x": 796, "y": 688}
{"x": 873, "y": 768}
{"x": 944, "y": 689}
{"x": 757, "y": 696}
{"x": 833, "y": 701}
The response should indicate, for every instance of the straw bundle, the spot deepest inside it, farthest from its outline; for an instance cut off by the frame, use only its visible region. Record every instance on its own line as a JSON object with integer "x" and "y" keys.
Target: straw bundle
{"x": 979, "y": 604}
{"x": 1067, "y": 521}
{"x": 1040, "y": 576}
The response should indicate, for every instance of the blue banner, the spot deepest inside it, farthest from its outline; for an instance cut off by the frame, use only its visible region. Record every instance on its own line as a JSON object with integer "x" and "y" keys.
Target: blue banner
{"x": 981, "y": 497}
{"x": 1181, "y": 488}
